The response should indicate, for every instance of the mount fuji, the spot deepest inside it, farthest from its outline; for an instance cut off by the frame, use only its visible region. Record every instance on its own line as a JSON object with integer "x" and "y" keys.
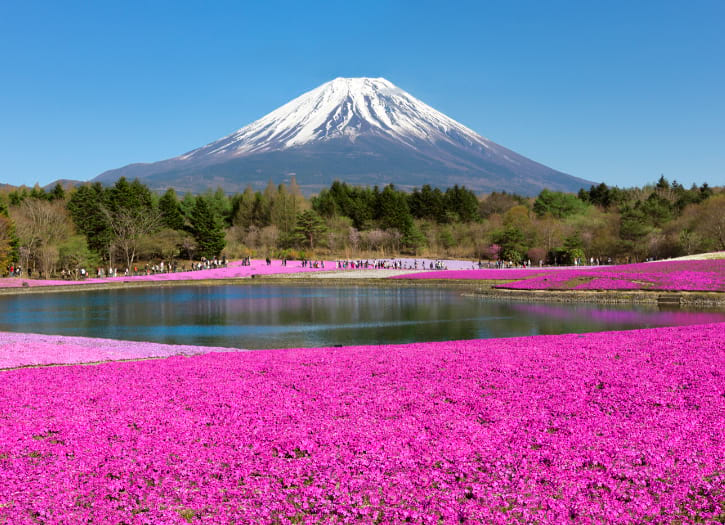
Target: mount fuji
{"x": 364, "y": 131}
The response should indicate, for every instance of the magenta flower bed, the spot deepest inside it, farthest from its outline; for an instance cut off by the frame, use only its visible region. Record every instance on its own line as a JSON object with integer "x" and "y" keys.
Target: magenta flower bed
{"x": 708, "y": 275}
{"x": 486, "y": 274}
{"x": 626, "y": 318}
{"x": 233, "y": 271}
{"x": 18, "y": 349}
{"x": 619, "y": 427}
{"x": 666, "y": 275}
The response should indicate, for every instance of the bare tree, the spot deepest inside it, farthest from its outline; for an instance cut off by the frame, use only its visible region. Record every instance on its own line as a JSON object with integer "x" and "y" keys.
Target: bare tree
{"x": 268, "y": 237}
{"x": 374, "y": 239}
{"x": 711, "y": 220}
{"x": 41, "y": 225}
{"x": 353, "y": 236}
{"x": 129, "y": 227}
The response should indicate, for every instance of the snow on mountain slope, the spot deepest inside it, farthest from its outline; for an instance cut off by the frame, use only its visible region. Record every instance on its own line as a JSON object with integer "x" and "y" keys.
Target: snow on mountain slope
{"x": 345, "y": 107}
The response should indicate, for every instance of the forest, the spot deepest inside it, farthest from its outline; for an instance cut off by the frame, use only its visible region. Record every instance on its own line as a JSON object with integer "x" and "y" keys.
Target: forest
{"x": 47, "y": 232}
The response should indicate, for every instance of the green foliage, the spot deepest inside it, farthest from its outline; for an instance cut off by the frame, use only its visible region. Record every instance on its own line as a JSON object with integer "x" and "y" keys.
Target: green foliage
{"x": 558, "y": 204}
{"x": 356, "y": 203}
{"x": 457, "y": 204}
{"x": 57, "y": 193}
{"x": 17, "y": 196}
{"x": 207, "y": 229}
{"x": 187, "y": 204}
{"x": 86, "y": 209}
{"x": 129, "y": 196}
{"x": 170, "y": 210}
{"x": 414, "y": 239}
{"x": 573, "y": 249}
{"x": 512, "y": 242}
{"x": 599, "y": 195}
{"x": 325, "y": 204}
{"x": 663, "y": 219}
{"x": 461, "y": 204}
{"x": 74, "y": 254}
{"x": 634, "y": 224}
{"x": 391, "y": 210}
{"x": 220, "y": 205}
{"x": 37, "y": 193}
{"x": 657, "y": 210}
{"x": 429, "y": 203}
{"x": 310, "y": 228}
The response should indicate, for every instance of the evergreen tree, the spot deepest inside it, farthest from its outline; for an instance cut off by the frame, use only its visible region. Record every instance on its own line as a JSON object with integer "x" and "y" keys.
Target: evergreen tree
{"x": 325, "y": 204}
{"x": 57, "y": 193}
{"x": 129, "y": 196}
{"x": 599, "y": 196}
{"x": 18, "y": 195}
{"x": 170, "y": 210}
{"x": 220, "y": 205}
{"x": 38, "y": 193}
{"x": 662, "y": 183}
{"x": 207, "y": 229}
{"x": 187, "y": 204}
{"x": 310, "y": 227}
{"x": 392, "y": 210}
{"x": 260, "y": 210}
{"x": 461, "y": 204}
{"x": 86, "y": 210}
{"x": 429, "y": 203}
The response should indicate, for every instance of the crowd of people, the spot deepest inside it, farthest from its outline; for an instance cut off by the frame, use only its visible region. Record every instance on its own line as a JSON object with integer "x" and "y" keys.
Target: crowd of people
{"x": 390, "y": 264}
{"x": 14, "y": 270}
{"x": 146, "y": 269}
{"x": 173, "y": 266}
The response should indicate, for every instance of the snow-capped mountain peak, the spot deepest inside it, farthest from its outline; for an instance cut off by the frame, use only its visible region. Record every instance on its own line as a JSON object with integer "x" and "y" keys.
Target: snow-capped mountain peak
{"x": 344, "y": 108}
{"x": 365, "y": 131}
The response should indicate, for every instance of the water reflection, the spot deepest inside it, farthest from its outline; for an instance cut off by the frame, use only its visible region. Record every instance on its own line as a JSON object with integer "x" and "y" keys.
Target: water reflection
{"x": 276, "y": 316}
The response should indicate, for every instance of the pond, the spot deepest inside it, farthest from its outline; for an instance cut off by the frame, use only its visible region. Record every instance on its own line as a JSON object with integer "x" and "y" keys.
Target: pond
{"x": 257, "y": 316}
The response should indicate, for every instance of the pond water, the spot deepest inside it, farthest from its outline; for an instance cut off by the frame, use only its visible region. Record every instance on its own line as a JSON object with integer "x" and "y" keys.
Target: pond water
{"x": 255, "y": 316}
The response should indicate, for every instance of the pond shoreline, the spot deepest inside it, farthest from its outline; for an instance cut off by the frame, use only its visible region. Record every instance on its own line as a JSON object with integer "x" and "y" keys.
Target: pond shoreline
{"x": 470, "y": 287}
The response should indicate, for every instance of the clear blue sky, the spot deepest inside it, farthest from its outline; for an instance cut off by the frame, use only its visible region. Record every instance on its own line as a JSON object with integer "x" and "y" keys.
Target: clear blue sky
{"x": 617, "y": 91}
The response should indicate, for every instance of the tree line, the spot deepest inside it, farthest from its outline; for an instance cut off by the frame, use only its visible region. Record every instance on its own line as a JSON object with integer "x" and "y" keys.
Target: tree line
{"x": 93, "y": 225}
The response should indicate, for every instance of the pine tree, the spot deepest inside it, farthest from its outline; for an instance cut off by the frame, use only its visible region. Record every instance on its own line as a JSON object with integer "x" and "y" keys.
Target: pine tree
{"x": 170, "y": 210}
{"x": 207, "y": 230}
{"x": 58, "y": 193}
{"x": 85, "y": 207}
{"x": 310, "y": 227}
{"x": 130, "y": 196}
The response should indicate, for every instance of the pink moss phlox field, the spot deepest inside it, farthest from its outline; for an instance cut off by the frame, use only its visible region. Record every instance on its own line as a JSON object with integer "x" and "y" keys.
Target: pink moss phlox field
{"x": 233, "y": 270}
{"x": 17, "y": 349}
{"x": 484, "y": 275}
{"x": 707, "y": 275}
{"x": 618, "y": 427}
{"x": 640, "y": 318}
